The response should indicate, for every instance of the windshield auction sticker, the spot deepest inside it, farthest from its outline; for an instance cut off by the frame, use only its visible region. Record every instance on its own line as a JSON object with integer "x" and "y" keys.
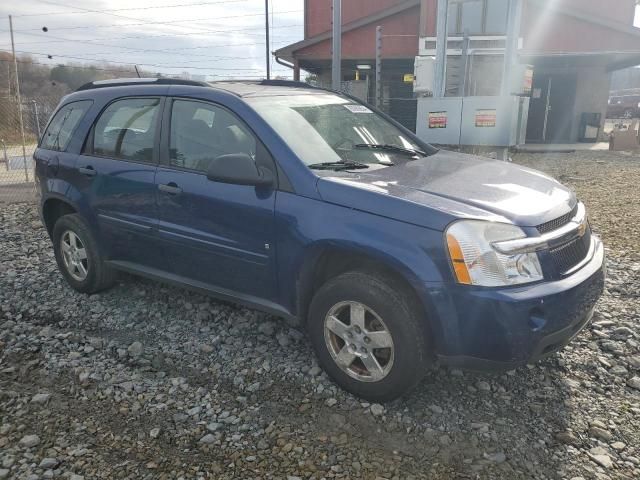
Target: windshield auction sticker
{"x": 357, "y": 108}
{"x": 437, "y": 119}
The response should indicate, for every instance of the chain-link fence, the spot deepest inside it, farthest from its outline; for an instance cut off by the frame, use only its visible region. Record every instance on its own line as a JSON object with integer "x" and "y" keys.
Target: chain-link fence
{"x": 18, "y": 142}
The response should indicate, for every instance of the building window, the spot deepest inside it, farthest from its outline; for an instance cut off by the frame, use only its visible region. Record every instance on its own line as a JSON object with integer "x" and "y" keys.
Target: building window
{"x": 478, "y": 17}
{"x": 452, "y": 18}
{"x": 471, "y": 17}
{"x": 496, "y": 16}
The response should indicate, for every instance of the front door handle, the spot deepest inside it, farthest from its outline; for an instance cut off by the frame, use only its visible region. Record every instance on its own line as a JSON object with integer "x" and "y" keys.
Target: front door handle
{"x": 89, "y": 171}
{"x": 170, "y": 188}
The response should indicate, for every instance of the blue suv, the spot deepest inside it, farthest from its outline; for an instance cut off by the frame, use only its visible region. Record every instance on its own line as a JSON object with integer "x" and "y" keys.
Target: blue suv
{"x": 309, "y": 204}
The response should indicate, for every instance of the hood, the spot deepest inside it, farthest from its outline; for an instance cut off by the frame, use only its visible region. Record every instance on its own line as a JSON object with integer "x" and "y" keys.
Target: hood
{"x": 454, "y": 185}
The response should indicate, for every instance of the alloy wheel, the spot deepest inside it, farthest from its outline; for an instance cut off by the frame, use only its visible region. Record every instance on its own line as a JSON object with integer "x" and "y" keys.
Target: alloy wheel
{"x": 359, "y": 341}
{"x": 74, "y": 255}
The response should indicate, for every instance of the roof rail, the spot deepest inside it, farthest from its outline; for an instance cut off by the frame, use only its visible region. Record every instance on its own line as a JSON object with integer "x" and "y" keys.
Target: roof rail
{"x": 272, "y": 83}
{"x": 286, "y": 83}
{"x": 121, "y": 82}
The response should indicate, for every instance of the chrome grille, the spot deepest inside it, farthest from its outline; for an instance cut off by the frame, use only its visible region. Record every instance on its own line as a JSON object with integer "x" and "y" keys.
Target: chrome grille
{"x": 571, "y": 254}
{"x": 557, "y": 222}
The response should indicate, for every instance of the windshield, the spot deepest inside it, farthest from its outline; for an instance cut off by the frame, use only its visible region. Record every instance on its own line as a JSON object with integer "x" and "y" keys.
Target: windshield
{"x": 330, "y": 129}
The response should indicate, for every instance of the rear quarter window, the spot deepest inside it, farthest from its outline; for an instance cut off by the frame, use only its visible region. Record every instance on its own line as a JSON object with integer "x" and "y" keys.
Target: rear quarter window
{"x": 63, "y": 124}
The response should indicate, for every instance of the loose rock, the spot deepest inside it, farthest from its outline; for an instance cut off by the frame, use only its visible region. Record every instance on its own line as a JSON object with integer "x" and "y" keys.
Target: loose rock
{"x": 151, "y": 381}
{"x": 29, "y": 441}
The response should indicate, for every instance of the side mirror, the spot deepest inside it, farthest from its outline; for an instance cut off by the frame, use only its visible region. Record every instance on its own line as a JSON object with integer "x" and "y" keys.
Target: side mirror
{"x": 238, "y": 169}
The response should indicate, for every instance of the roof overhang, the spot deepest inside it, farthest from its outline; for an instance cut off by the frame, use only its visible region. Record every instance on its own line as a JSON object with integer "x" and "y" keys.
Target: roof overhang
{"x": 611, "y": 61}
{"x": 586, "y": 17}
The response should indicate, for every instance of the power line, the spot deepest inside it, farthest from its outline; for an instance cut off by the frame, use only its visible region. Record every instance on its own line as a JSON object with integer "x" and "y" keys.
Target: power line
{"x": 165, "y": 51}
{"x": 153, "y": 36}
{"x": 179, "y": 51}
{"x": 144, "y": 23}
{"x": 117, "y": 68}
{"x": 145, "y": 50}
{"x": 141, "y": 64}
{"x": 105, "y": 13}
{"x": 200, "y": 60}
{"x": 125, "y": 9}
{"x": 33, "y": 62}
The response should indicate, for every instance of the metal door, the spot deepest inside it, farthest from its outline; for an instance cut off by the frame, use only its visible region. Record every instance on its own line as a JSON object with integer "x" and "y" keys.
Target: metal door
{"x": 551, "y": 108}
{"x": 560, "y": 117}
{"x": 539, "y": 108}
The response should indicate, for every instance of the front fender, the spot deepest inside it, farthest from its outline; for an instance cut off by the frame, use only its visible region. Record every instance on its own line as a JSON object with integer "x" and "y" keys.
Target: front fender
{"x": 308, "y": 227}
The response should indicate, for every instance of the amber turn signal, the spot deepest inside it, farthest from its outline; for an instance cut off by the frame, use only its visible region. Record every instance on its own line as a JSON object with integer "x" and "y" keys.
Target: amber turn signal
{"x": 457, "y": 260}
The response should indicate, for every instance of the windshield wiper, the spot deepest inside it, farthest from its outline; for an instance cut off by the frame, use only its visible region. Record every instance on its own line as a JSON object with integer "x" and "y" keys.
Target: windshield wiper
{"x": 391, "y": 148}
{"x": 343, "y": 165}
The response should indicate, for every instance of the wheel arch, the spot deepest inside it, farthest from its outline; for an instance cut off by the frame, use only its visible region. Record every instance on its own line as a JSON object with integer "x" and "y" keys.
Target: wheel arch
{"x": 55, "y": 207}
{"x": 328, "y": 260}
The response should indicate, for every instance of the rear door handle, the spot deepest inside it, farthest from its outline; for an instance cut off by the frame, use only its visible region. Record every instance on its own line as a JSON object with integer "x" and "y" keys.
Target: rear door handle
{"x": 53, "y": 164}
{"x": 88, "y": 171}
{"x": 170, "y": 188}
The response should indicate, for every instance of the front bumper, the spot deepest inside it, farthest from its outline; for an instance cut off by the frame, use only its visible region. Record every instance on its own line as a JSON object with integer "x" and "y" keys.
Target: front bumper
{"x": 486, "y": 328}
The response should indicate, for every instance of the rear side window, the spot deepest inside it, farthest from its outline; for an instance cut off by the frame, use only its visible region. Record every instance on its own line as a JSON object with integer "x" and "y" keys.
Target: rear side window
{"x": 63, "y": 124}
{"x": 126, "y": 130}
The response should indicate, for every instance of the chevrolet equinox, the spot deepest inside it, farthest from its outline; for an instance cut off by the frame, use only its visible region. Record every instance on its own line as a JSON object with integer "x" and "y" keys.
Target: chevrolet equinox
{"x": 309, "y": 204}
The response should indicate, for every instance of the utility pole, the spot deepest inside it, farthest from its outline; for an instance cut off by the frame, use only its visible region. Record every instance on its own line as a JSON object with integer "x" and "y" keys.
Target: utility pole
{"x": 336, "y": 54}
{"x": 266, "y": 29}
{"x": 379, "y": 66}
{"x": 440, "y": 82}
{"x": 15, "y": 66}
{"x": 511, "y": 48}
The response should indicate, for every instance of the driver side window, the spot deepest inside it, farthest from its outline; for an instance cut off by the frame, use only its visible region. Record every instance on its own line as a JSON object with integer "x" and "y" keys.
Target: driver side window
{"x": 201, "y": 132}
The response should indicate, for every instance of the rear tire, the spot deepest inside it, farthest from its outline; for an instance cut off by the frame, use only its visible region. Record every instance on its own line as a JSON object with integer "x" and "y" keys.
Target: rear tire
{"x": 369, "y": 337}
{"x": 79, "y": 259}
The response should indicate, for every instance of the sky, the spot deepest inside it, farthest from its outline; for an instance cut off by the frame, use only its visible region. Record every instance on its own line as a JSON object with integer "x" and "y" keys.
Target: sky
{"x": 216, "y": 38}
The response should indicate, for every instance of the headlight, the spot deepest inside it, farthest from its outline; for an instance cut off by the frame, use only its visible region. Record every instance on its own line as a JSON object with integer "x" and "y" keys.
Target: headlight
{"x": 476, "y": 262}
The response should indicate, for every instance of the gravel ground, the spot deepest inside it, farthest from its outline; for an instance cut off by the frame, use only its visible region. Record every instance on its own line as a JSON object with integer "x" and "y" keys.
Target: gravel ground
{"x": 147, "y": 381}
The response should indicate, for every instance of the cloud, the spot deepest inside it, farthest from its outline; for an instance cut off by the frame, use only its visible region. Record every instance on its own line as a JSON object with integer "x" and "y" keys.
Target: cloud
{"x": 217, "y": 38}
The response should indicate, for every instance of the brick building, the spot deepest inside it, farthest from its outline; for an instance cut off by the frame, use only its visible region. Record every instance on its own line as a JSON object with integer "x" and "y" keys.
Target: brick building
{"x": 573, "y": 45}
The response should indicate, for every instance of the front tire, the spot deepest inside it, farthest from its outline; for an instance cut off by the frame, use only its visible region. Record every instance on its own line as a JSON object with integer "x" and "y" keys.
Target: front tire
{"x": 369, "y": 337}
{"x": 79, "y": 259}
